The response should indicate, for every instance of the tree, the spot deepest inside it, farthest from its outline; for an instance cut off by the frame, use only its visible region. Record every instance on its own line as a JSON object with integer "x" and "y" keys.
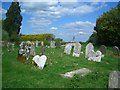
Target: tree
{"x": 93, "y": 38}
{"x": 108, "y": 27}
{"x": 5, "y": 36}
{"x": 13, "y": 20}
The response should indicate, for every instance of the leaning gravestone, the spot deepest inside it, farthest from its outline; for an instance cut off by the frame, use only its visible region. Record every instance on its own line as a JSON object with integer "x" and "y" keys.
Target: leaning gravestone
{"x": 114, "y": 79}
{"x": 103, "y": 49}
{"x": 40, "y": 61}
{"x": 116, "y": 51}
{"x": 77, "y": 49}
{"x": 88, "y": 50}
{"x": 68, "y": 48}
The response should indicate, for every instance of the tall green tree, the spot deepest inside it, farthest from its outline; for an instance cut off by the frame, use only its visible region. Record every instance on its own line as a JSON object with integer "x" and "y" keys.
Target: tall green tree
{"x": 108, "y": 27}
{"x": 13, "y": 20}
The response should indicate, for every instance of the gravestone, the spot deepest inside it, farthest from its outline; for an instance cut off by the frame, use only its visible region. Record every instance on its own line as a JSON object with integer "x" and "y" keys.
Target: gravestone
{"x": 40, "y": 61}
{"x": 103, "y": 49}
{"x": 81, "y": 72}
{"x": 9, "y": 47}
{"x": 52, "y": 44}
{"x": 42, "y": 43}
{"x": 36, "y": 43}
{"x": 21, "y": 53}
{"x": 42, "y": 50}
{"x": 32, "y": 49}
{"x": 95, "y": 56}
{"x": 77, "y": 49}
{"x": 58, "y": 44}
{"x": 68, "y": 48}
{"x": 114, "y": 79}
{"x": 88, "y": 50}
{"x": 13, "y": 46}
{"x": 116, "y": 51}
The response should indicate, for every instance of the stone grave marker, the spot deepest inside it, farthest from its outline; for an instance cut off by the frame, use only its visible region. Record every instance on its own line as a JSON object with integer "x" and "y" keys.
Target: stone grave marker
{"x": 58, "y": 44}
{"x": 103, "y": 49}
{"x": 68, "y": 48}
{"x": 116, "y": 51}
{"x": 32, "y": 49}
{"x": 42, "y": 43}
{"x": 114, "y": 79}
{"x": 95, "y": 56}
{"x": 88, "y": 50}
{"x": 42, "y": 50}
{"x": 77, "y": 49}
{"x": 81, "y": 72}
{"x": 40, "y": 61}
{"x": 36, "y": 43}
{"x": 52, "y": 44}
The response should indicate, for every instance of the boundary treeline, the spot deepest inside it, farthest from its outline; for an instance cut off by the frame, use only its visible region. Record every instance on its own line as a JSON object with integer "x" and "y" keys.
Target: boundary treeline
{"x": 107, "y": 28}
{"x": 39, "y": 37}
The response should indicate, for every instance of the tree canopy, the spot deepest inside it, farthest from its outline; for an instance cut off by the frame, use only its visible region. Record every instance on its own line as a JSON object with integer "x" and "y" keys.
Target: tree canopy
{"x": 13, "y": 20}
{"x": 108, "y": 27}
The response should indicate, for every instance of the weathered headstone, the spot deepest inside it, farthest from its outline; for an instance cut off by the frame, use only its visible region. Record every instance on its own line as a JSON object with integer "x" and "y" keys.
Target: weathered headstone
{"x": 13, "y": 46}
{"x": 21, "y": 53}
{"x": 114, "y": 79}
{"x": 81, "y": 72}
{"x": 32, "y": 49}
{"x": 36, "y": 43}
{"x": 103, "y": 49}
{"x": 40, "y": 61}
{"x": 88, "y": 49}
{"x": 95, "y": 56}
{"x": 77, "y": 49}
{"x": 68, "y": 48}
{"x": 52, "y": 44}
{"x": 42, "y": 50}
{"x": 42, "y": 43}
{"x": 58, "y": 44}
{"x": 8, "y": 46}
{"x": 116, "y": 50}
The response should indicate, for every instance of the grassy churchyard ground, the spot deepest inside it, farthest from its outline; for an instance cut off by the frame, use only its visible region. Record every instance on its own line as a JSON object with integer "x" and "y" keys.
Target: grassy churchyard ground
{"x": 18, "y": 75}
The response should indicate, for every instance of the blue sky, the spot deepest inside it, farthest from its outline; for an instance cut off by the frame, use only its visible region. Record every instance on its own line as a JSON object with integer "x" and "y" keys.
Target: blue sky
{"x": 64, "y": 19}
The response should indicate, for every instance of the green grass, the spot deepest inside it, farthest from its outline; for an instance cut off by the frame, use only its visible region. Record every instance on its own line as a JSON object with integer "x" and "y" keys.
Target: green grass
{"x": 18, "y": 75}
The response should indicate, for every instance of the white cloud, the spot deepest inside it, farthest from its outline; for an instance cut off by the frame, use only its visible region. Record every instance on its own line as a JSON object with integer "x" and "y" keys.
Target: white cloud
{"x": 54, "y": 10}
{"x": 81, "y": 33}
{"x": 2, "y": 11}
{"x": 53, "y": 28}
{"x": 39, "y": 23}
{"x": 23, "y": 10}
{"x": 79, "y": 29}
{"x": 78, "y": 25}
{"x": 44, "y": 14}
